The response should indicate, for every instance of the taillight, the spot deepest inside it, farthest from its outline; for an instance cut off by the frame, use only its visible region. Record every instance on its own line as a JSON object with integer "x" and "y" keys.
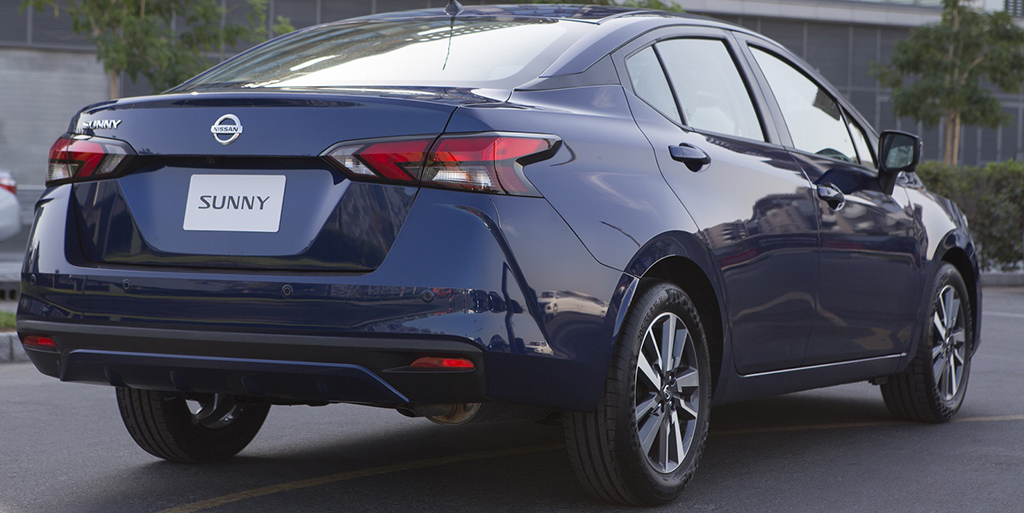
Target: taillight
{"x": 490, "y": 162}
{"x": 82, "y": 157}
{"x": 432, "y": 362}
{"x": 9, "y": 183}
{"x": 392, "y": 161}
{"x": 39, "y": 342}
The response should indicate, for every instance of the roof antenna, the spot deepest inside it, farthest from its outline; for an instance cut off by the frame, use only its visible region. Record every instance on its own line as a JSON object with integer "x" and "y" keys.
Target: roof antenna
{"x": 454, "y": 8}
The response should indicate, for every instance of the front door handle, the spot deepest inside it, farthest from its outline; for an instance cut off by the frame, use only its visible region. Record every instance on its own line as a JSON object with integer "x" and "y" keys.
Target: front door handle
{"x": 831, "y": 194}
{"x": 694, "y": 157}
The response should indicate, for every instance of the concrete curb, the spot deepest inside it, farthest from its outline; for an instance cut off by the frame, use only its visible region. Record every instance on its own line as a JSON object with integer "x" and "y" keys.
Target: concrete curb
{"x": 10, "y": 348}
{"x": 1002, "y": 279}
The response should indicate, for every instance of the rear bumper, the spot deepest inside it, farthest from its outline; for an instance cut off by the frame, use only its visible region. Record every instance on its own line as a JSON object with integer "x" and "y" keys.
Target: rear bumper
{"x": 529, "y": 306}
{"x": 363, "y": 370}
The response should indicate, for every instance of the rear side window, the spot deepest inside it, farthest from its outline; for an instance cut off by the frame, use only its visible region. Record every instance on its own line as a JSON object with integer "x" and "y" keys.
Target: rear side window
{"x": 815, "y": 121}
{"x": 709, "y": 87}
{"x": 649, "y": 83}
{"x": 473, "y": 52}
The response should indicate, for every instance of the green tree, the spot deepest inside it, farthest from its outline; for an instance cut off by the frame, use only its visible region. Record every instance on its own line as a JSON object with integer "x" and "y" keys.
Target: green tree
{"x": 165, "y": 41}
{"x": 939, "y": 71}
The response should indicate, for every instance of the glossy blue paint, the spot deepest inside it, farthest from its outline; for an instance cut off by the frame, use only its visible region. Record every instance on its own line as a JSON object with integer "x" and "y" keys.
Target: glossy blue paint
{"x": 366, "y": 277}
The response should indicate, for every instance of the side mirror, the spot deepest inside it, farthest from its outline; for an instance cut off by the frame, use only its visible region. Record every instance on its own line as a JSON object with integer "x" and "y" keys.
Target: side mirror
{"x": 897, "y": 152}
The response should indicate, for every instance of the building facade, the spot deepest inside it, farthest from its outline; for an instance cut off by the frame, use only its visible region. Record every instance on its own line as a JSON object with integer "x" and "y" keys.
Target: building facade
{"x": 47, "y": 73}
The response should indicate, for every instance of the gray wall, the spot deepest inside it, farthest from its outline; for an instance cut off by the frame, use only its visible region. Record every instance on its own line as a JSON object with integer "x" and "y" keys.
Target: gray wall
{"x": 42, "y": 89}
{"x": 843, "y": 53}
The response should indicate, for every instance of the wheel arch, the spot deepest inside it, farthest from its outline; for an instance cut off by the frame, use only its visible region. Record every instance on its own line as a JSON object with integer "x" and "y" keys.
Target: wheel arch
{"x": 682, "y": 259}
{"x": 689, "y": 276}
{"x": 959, "y": 258}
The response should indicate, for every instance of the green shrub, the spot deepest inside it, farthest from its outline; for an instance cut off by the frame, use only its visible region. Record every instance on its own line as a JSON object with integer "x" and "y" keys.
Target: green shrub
{"x": 6, "y": 321}
{"x": 992, "y": 197}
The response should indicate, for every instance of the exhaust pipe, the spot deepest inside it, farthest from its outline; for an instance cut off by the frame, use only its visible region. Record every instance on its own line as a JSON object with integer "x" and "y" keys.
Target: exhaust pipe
{"x": 454, "y": 414}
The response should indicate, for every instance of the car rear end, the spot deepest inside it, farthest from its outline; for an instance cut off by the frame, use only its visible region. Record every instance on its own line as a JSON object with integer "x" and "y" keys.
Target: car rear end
{"x": 312, "y": 242}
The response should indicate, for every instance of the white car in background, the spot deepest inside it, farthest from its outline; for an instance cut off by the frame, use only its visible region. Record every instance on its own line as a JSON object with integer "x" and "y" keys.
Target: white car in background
{"x": 10, "y": 210}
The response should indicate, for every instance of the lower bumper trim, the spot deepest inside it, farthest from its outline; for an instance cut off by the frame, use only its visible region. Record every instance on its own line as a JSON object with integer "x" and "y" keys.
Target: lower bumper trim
{"x": 311, "y": 381}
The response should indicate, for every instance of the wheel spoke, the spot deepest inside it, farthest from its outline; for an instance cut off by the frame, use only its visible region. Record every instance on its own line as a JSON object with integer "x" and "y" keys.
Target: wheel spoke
{"x": 954, "y": 380}
{"x": 690, "y": 407}
{"x": 688, "y": 379}
{"x": 648, "y": 432}
{"x": 952, "y": 308}
{"x": 959, "y": 338}
{"x": 939, "y": 367}
{"x": 677, "y": 434}
{"x": 683, "y": 342}
{"x": 939, "y": 324}
{"x": 647, "y": 372}
{"x": 668, "y": 344}
{"x": 645, "y": 407}
{"x": 664, "y": 441}
{"x": 652, "y": 341}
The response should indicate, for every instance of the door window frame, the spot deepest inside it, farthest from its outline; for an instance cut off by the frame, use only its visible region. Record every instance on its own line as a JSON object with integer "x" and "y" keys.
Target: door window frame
{"x": 769, "y": 127}
{"x": 848, "y": 112}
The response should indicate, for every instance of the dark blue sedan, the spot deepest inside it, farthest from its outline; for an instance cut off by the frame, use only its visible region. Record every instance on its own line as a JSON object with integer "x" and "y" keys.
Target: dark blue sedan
{"x": 622, "y": 216}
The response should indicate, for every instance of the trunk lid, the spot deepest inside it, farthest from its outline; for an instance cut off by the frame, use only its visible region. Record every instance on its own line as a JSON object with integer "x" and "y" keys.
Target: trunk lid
{"x": 236, "y": 180}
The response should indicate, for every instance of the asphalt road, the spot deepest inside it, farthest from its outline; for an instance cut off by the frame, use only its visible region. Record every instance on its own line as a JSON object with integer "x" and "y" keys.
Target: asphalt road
{"x": 63, "y": 448}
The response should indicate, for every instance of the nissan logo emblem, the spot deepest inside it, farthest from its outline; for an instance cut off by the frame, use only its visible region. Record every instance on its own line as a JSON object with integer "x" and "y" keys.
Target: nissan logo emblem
{"x": 226, "y": 129}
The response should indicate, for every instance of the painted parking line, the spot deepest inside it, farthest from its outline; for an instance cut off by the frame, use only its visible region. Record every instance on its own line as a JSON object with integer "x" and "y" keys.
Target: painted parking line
{"x": 355, "y": 474}
{"x": 853, "y": 425}
{"x": 436, "y": 462}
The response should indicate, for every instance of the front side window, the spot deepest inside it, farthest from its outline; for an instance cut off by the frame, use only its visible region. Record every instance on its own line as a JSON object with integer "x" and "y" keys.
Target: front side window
{"x": 814, "y": 119}
{"x": 860, "y": 141}
{"x": 711, "y": 92}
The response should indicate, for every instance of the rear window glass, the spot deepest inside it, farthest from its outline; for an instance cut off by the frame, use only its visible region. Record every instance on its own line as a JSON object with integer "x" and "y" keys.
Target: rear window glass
{"x": 473, "y": 52}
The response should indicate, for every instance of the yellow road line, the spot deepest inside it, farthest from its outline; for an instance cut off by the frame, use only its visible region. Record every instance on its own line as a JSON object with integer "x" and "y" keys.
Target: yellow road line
{"x": 851, "y": 425}
{"x": 435, "y": 462}
{"x": 355, "y": 474}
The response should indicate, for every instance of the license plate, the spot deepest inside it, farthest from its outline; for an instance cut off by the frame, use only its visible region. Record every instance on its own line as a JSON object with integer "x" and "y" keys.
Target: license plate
{"x": 234, "y": 203}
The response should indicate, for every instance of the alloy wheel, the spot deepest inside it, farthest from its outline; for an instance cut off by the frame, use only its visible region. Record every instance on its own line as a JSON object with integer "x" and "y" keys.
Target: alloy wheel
{"x": 667, "y": 393}
{"x": 949, "y": 348}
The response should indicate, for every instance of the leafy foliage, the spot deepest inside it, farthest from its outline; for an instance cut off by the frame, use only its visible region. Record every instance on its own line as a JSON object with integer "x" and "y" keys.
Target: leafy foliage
{"x": 993, "y": 199}
{"x": 942, "y": 71}
{"x": 6, "y": 321}
{"x": 165, "y": 41}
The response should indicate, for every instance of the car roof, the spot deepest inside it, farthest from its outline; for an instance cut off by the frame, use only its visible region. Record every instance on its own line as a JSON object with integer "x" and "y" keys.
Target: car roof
{"x": 585, "y": 13}
{"x": 616, "y": 21}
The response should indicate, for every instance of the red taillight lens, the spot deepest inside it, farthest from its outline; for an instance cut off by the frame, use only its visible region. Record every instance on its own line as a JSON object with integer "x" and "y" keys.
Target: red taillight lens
{"x": 488, "y": 163}
{"x": 430, "y": 362}
{"x": 392, "y": 161}
{"x": 478, "y": 162}
{"x": 40, "y": 342}
{"x": 81, "y": 157}
{"x": 9, "y": 183}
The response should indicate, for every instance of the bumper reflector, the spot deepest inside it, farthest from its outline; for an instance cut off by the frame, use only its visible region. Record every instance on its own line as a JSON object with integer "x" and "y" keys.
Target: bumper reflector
{"x": 40, "y": 342}
{"x": 429, "y": 362}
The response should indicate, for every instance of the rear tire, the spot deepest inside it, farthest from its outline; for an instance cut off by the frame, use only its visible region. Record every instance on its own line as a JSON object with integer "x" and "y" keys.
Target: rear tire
{"x": 643, "y": 442}
{"x": 932, "y": 388}
{"x": 193, "y": 428}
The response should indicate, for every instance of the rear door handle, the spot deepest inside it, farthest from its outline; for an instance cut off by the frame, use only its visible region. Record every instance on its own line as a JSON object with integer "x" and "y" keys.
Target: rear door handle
{"x": 694, "y": 157}
{"x": 831, "y": 194}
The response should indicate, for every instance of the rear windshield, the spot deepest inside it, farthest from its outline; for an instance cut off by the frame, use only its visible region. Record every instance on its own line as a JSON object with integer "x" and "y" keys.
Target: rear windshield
{"x": 499, "y": 53}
